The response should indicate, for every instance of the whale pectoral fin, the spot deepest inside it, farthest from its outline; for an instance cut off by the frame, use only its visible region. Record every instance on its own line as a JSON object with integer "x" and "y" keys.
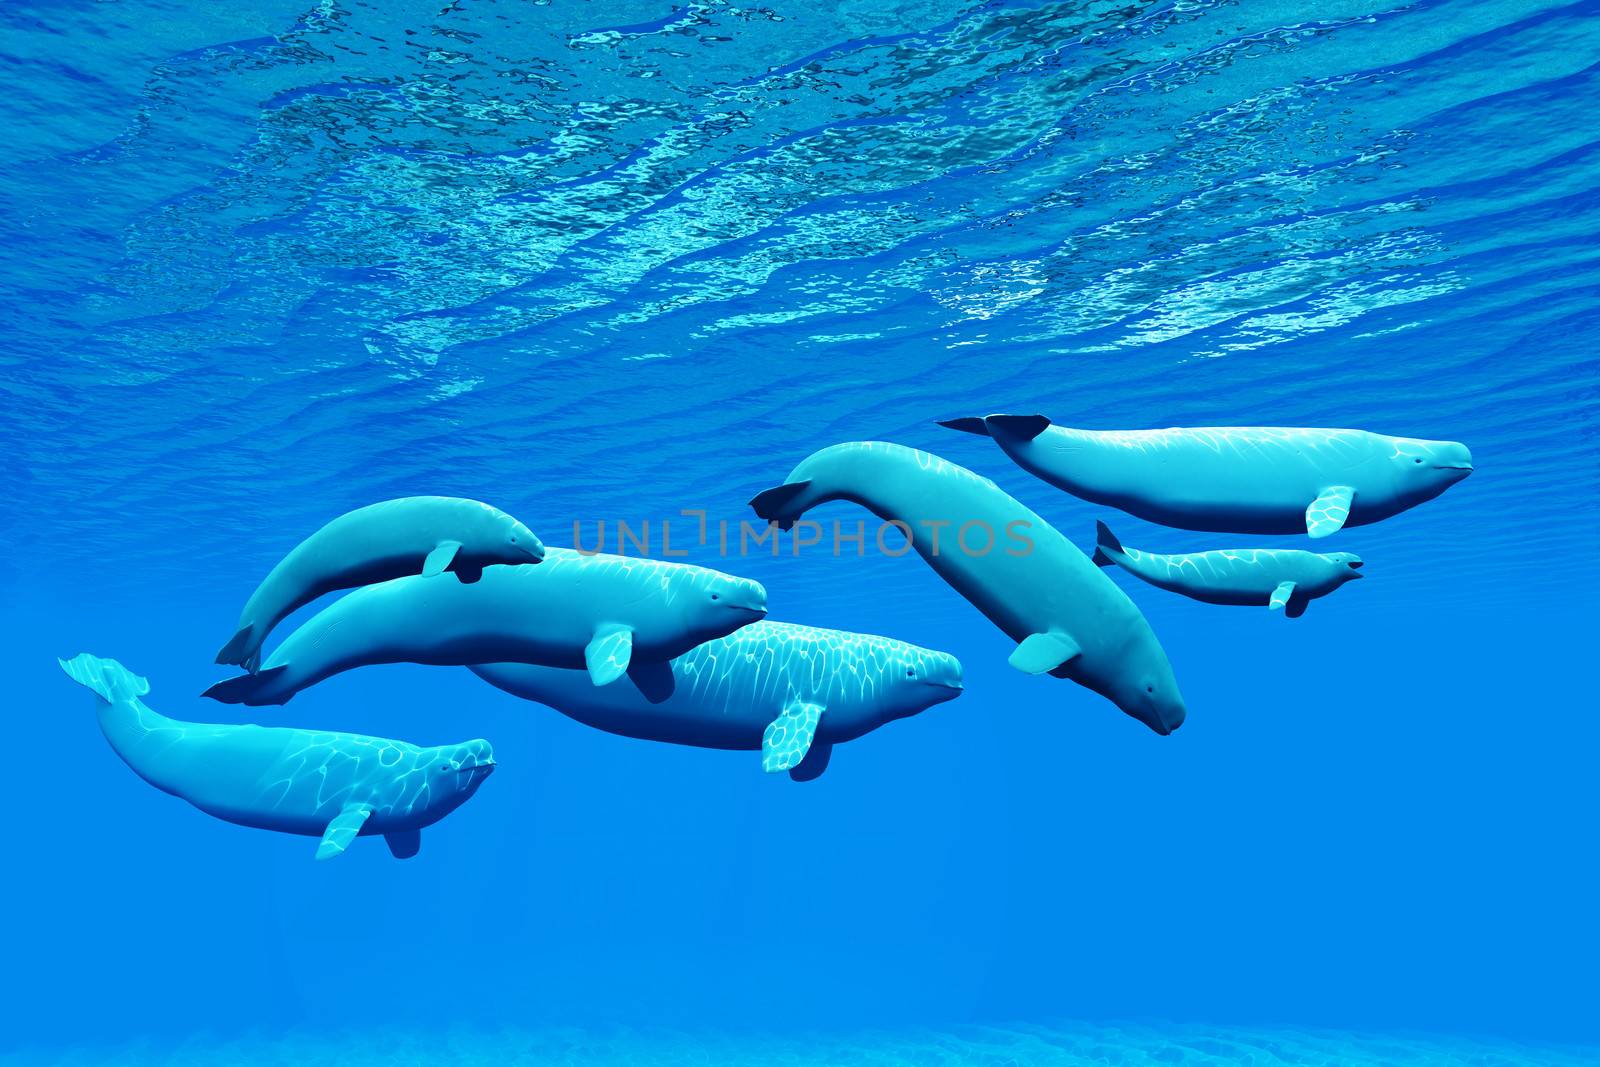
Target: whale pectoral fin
{"x": 404, "y": 843}
{"x": 788, "y": 737}
{"x": 1327, "y": 513}
{"x": 1281, "y": 595}
{"x": 440, "y": 558}
{"x": 1039, "y": 653}
{"x": 655, "y": 681}
{"x": 342, "y": 830}
{"x": 608, "y": 654}
{"x": 816, "y": 761}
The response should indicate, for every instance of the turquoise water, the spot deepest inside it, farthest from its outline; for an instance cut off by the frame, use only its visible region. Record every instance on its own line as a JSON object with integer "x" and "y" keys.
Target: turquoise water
{"x": 610, "y": 261}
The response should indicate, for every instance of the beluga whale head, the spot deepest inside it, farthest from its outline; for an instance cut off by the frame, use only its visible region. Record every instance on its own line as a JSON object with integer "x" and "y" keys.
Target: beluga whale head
{"x": 452, "y": 773}
{"x": 716, "y": 604}
{"x": 923, "y": 679}
{"x": 1142, "y": 685}
{"x": 520, "y": 541}
{"x": 1348, "y": 563}
{"x": 1424, "y": 469}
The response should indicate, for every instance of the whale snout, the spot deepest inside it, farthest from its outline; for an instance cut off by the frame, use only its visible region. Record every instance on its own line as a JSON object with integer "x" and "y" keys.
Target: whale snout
{"x": 1171, "y": 719}
{"x": 524, "y": 543}
{"x": 744, "y": 595}
{"x": 1163, "y": 715}
{"x": 1454, "y": 458}
{"x": 945, "y": 678}
{"x": 474, "y": 762}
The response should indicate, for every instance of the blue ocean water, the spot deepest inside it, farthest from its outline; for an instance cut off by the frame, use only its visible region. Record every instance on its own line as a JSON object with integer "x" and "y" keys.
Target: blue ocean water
{"x": 612, "y": 261}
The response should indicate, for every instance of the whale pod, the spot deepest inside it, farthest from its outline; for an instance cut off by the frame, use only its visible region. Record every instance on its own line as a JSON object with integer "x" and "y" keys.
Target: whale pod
{"x": 1068, "y": 618}
{"x": 412, "y": 535}
{"x": 1233, "y": 479}
{"x": 607, "y": 614}
{"x": 1282, "y": 579}
{"x": 329, "y": 785}
{"x": 791, "y": 691}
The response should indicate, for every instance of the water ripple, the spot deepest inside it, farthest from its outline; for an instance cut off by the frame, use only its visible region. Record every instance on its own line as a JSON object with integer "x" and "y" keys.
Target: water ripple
{"x": 616, "y": 258}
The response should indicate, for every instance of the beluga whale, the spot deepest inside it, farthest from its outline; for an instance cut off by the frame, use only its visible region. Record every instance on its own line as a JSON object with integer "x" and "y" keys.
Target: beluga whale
{"x": 333, "y": 786}
{"x": 607, "y": 614}
{"x": 792, "y": 692}
{"x": 1068, "y": 618}
{"x": 412, "y": 535}
{"x": 1233, "y": 479}
{"x": 1284, "y": 580}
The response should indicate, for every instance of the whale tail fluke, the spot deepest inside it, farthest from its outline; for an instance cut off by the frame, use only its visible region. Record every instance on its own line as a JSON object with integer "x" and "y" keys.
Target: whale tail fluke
{"x": 242, "y": 649}
{"x": 110, "y": 680}
{"x": 1105, "y": 543}
{"x": 772, "y": 504}
{"x": 1021, "y": 427}
{"x": 968, "y": 425}
{"x": 251, "y": 689}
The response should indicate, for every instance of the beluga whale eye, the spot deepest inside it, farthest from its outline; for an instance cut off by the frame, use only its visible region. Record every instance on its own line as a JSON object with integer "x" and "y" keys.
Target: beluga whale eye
{"x": 716, "y": 596}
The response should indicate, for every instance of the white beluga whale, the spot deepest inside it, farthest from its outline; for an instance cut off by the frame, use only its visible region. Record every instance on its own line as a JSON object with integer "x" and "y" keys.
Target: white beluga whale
{"x": 793, "y": 692}
{"x": 412, "y": 535}
{"x": 1233, "y": 479}
{"x": 607, "y": 614}
{"x": 1282, "y": 579}
{"x": 313, "y": 782}
{"x": 1068, "y": 617}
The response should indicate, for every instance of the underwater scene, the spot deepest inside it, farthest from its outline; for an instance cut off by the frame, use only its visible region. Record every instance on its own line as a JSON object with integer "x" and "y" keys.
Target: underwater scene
{"x": 703, "y": 532}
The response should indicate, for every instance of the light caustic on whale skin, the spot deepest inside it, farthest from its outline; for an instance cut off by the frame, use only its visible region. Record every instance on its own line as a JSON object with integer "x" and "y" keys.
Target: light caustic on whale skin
{"x": 791, "y": 691}
{"x": 1233, "y": 479}
{"x": 1282, "y": 579}
{"x": 1069, "y": 619}
{"x": 412, "y": 535}
{"x": 312, "y": 782}
{"x": 609, "y": 614}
